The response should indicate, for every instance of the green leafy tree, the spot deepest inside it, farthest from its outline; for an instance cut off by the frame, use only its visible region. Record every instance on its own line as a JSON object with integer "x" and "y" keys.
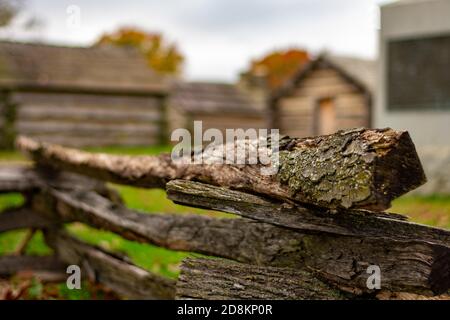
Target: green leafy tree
{"x": 11, "y": 9}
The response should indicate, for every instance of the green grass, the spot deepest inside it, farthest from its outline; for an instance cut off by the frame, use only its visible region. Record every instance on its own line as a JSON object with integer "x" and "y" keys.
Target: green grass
{"x": 430, "y": 210}
{"x": 155, "y": 201}
{"x": 11, "y": 156}
{"x": 15, "y": 156}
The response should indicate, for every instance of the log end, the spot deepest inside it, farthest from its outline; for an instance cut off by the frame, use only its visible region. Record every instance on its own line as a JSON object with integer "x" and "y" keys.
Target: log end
{"x": 397, "y": 172}
{"x": 357, "y": 168}
{"x": 440, "y": 272}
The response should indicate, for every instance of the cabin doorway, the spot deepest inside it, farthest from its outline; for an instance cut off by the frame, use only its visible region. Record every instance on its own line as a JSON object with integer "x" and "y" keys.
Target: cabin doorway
{"x": 325, "y": 120}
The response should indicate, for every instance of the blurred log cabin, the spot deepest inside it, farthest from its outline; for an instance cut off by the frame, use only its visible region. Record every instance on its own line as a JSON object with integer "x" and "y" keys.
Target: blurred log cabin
{"x": 327, "y": 94}
{"x": 80, "y": 96}
{"x": 102, "y": 96}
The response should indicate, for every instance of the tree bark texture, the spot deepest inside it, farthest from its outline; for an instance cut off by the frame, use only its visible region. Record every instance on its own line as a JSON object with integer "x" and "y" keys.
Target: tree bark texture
{"x": 22, "y": 218}
{"x": 360, "y": 223}
{"x": 13, "y": 264}
{"x": 406, "y": 265}
{"x": 359, "y": 168}
{"x": 27, "y": 179}
{"x": 216, "y": 279}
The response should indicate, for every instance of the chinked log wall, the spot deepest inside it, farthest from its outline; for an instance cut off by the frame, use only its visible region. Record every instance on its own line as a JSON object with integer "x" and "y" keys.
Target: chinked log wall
{"x": 294, "y": 238}
{"x": 83, "y": 119}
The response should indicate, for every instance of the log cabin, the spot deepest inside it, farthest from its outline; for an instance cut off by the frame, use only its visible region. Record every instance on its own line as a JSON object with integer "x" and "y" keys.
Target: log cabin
{"x": 327, "y": 94}
{"x": 76, "y": 96}
{"x": 218, "y": 105}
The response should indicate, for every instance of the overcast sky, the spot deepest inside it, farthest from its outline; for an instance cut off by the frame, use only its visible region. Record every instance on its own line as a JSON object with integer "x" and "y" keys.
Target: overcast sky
{"x": 219, "y": 37}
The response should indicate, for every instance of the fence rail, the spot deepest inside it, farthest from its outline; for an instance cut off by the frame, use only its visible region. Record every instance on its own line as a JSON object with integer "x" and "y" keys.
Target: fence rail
{"x": 284, "y": 245}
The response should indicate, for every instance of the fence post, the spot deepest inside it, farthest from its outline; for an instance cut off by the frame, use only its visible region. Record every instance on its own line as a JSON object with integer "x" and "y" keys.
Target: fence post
{"x": 8, "y": 119}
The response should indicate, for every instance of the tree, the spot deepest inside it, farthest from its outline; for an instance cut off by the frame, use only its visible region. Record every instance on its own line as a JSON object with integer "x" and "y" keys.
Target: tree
{"x": 13, "y": 16}
{"x": 8, "y": 11}
{"x": 278, "y": 66}
{"x": 161, "y": 56}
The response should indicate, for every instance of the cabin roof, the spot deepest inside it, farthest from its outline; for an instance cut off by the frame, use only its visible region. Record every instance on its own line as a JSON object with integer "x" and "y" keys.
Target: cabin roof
{"x": 208, "y": 97}
{"x": 47, "y": 67}
{"x": 361, "y": 72}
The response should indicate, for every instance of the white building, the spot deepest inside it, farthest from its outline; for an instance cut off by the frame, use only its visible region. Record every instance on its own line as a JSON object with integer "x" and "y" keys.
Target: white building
{"x": 414, "y": 81}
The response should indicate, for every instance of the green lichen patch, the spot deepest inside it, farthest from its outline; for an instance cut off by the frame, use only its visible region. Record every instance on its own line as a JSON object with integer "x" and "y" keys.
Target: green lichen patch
{"x": 335, "y": 169}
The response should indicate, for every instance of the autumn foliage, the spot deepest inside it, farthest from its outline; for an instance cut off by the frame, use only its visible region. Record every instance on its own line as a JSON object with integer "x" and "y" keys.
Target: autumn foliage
{"x": 279, "y": 66}
{"x": 161, "y": 56}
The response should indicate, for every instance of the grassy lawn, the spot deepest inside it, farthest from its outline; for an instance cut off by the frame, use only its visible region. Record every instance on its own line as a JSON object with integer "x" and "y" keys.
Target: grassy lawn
{"x": 433, "y": 211}
{"x": 430, "y": 210}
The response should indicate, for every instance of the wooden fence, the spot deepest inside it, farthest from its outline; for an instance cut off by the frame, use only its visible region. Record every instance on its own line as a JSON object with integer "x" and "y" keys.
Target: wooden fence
{"x": 297, "y": 237}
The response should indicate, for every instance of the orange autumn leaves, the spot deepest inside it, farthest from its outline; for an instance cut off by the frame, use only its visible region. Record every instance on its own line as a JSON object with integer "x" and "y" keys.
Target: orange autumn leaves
{"x": 279, "y": 66}
{"x": 161, "y": 56}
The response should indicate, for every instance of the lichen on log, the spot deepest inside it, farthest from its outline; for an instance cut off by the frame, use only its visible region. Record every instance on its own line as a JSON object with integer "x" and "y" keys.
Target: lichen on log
{"x": 359, "y": 168}
{"x": 364, "y": 167}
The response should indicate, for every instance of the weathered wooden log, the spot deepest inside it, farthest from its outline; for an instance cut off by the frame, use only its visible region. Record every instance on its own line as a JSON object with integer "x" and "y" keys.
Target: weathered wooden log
{"x": 26, "y": 179}
{"x": 110, "y": 270}
{"x": 411, "y": 266}
{"x": 21, "y": 218}
{"x": 17, "y": 178}
{"x": 216, "y": 279}
{"x": 359, "y": 168}
{"x": 224, "y": 280}
{"x": 386, "y": 295}
{"x": 360, "y": 223}
{"x": 10, "y": 265}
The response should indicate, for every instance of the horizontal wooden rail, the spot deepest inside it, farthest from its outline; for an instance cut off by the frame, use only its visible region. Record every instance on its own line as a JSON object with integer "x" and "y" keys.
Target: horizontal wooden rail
{"x": 18, "y": 178}
{"x": 363, "y": 168}
{"x": 360, "y": 223}
{"x": 22, "y": 218}
{"x": 13, "y": 264}
{"x": 111, "y": 270}
{"x": 214, "y": 279}
{"x": 25, "y": 179}
{"x": 265, "y": 244}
